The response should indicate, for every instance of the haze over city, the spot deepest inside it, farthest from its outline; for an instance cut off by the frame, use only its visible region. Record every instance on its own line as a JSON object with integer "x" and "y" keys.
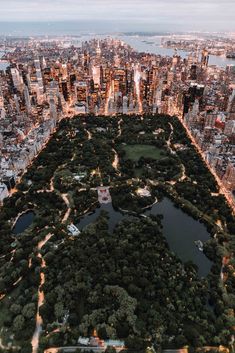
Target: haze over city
{"x": 122, "y": 15}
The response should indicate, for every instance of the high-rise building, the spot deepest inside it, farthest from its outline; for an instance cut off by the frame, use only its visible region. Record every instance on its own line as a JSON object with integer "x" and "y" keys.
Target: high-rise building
{"x": 229, "y": 176}
{"x": 96, "y": 74}
{"x": 39, "y": 75}
{"x": 231, "y": 106}
{"x": 17, "y": 79}
{"x": 205, "y": 58}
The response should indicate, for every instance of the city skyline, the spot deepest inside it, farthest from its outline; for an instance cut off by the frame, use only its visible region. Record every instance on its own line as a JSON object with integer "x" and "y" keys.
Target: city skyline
{"x": 151, "y": 15}
{"x": 117, "y": 176}
{"x": 117, "y": 179}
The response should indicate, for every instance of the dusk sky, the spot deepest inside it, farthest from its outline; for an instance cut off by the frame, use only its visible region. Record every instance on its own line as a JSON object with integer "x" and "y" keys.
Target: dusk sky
{"x": 206, "y": 15}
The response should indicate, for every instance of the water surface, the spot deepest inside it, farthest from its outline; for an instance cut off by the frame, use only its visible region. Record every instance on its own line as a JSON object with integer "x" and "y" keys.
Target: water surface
{"x": 23, "y": 222}
{"x": 153, "y": 45}
{"x": 180, "y": 230}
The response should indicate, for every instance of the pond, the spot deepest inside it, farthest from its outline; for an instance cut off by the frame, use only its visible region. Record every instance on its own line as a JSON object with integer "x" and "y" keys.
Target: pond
{"x": 23, "y": 222}
{"x": 180, "y": 230}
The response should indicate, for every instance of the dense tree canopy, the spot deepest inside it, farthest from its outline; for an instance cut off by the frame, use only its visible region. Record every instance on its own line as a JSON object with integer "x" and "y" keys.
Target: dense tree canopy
{"x": 125, "y": 283}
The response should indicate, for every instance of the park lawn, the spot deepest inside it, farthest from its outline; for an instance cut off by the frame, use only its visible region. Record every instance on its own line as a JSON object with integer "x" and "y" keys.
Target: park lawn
{"x": 135, "y": 152}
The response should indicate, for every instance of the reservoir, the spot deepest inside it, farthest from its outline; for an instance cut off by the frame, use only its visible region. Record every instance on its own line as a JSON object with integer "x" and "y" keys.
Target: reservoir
{"x": 23, "y": 222}
{"x": 180, "y": 230}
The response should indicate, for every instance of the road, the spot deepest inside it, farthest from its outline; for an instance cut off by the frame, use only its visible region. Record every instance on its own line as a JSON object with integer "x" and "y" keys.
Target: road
{"x": 109, "y": 96}
{"x": 137, "y": 77}
{"x": 82, "y": 348}
{"x": 222, "y": 189}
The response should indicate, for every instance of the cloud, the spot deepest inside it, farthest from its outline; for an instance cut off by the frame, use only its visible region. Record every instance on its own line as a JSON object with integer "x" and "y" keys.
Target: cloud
{"x": 214, "y": 14}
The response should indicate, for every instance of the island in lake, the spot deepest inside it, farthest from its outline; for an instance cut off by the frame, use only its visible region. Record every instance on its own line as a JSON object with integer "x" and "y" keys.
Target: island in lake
{"x": 103, "y": 236}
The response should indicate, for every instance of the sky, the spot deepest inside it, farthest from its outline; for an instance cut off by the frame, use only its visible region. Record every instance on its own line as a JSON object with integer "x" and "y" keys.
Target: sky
{"x": 132, "y": 15}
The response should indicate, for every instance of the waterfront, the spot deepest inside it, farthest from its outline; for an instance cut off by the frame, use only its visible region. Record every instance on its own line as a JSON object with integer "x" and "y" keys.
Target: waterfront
{"x": 152, "y": 44}
{"x": 148, "y": 44}
{"x": 131, "y": 140}
{"x": 180, "y": 230}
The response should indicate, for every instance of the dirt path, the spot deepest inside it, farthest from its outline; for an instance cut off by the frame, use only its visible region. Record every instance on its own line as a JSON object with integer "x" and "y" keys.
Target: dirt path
{"x": 170, "y": 138}
{"x": 89, "y": 135}
{"x": 66, "y": 200}
{"x": 115, "y": 161}
{"x": 39, "y": 322}
{"x": 183, "y": 176}
{"x": 119, "y": 127}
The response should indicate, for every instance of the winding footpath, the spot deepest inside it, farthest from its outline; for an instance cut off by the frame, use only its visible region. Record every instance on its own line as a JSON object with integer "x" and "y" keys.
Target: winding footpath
{"x": 183, "y": 172}
{"x": 39, "y": 321}
{"x": 66, "y": 200}
{"x": 119, "y": 127}
{"x": 89, "y": 135}
{"x": 115, "y": 161}
{"x": 116, "y": 158}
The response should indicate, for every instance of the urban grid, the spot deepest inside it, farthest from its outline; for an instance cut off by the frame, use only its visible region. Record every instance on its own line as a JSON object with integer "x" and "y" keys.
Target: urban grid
{"x": 50, "y": 80}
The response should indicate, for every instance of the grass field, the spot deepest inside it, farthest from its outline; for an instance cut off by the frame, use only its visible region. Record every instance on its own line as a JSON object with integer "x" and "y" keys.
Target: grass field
{"x": 134, "y": 152}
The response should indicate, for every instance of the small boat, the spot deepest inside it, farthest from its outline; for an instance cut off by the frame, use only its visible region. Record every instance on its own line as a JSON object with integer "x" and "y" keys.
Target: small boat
{"x": 199, "y": 244}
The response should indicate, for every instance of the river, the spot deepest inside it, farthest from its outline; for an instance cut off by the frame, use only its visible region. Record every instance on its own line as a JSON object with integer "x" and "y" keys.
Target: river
{"x": 153, "y": 45}
{"x": 146, "y": 44}
{"x": 179, "y": 229}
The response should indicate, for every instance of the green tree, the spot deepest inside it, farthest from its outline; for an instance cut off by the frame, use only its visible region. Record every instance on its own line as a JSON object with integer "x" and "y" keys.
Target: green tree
{"x": 18, "y": 323}
{"x": 29, "y": 310}
{"x": 16, "y": 308}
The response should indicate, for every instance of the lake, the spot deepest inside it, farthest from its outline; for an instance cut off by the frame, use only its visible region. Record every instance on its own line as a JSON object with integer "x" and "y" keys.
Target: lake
{"x": 179, "y": 229}
{"x": 23, "y": 222}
